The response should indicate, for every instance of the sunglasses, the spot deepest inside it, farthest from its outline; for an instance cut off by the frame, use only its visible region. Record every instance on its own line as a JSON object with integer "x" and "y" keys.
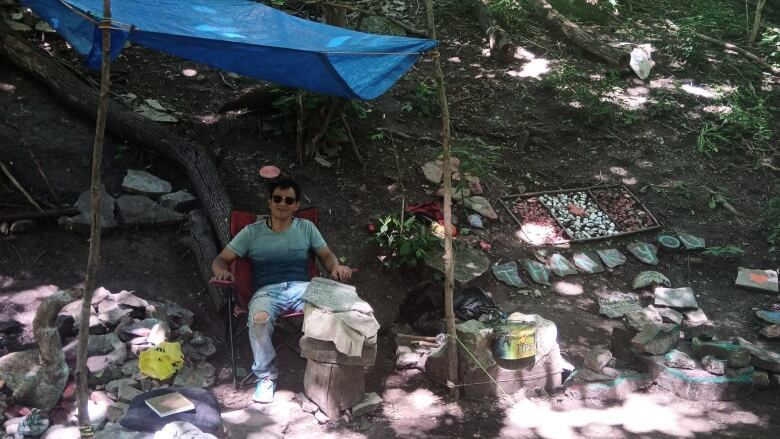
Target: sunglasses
{"x": 287, "y": 200}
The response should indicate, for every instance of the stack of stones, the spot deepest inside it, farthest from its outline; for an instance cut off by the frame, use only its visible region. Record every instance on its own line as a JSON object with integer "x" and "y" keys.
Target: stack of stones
{"x": 122, "y": 325}
{"x": 543, "y": 371}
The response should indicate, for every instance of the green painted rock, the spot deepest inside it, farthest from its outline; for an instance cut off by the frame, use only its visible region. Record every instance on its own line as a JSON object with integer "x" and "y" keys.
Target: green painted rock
{"x": 618, "y": 305}
{"x": 645, "y": 252}
{"x": 647, "y": 278}
{"x": 507, "y": 273}
{"x": 588, "y": 263}
{"x": 539, "y": 272}
{"x": 691, "y": 242}
{"x": 698, "y": 384}
{"x": 561, "y": 266}
{"x": 470, "y": 263}
{"x": 734, "y": 354}
{"x": 668, "y": 242}
{"x": 656, "y": 339}
{"x": 612, "y": 257}
{"x": 772, "y": 317}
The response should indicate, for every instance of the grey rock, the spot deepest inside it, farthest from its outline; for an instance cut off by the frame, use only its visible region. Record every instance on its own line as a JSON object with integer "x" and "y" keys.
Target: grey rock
{"x": 636, "y": 320}
{"x": 305, "y": 403}
{"x": 183, "y": 333}
{"x": 18, "y": 27}
{"x": 201, "y": 376}
{"x": 539, "y": 272}
{"x": 127, "y": 393}
{"x": 760, "y": 357}
{"x": 140, "y": 210}
{"x": 647, "y": 278}
{"x": 170, "y": 312}
{"x": 370, "y": 403}
{"x": 657, "y": 339}
{"x": 698, "y": 384}
{"x": 181, "y": 201}
{"x": 143, "y": 183}
{"x": 116, "y": 411}
{"x": 587, "y": 262}
{"x": 113, "y": 387}
{"x": 627, "y": 382}
{"x": 105, "y": 375}
{"x": 691, "y": 242}
{"x": 702, "y": 331}
{"x": 735, "y": 355}
{"x": 130, "y": 367}
{"x": 406, "y": 358}
{"x": 611, "y": 257}
{"x": 679, "y": 360}
{"x": 695, "y": 316}
{"x": 732, "y": 372}
{"x": 761, "y": 379}
{"x": 470, "y": 263}
{"x": 647, "y": 253}
{"x": 321, "y": 417}
{"x": 561, "y": 266}
{"x": 670, "y": 316}
{"x": 678, "y": 298}
{"x": 81, "y": 223}
{"x": 597, "y": 359}
{"x": 478, "y": 340}
{"x": 713, "y": 365}
{"x": 507, "y": 273}
{"x": 33, "y": 425}
{"x": 21, "y": 372}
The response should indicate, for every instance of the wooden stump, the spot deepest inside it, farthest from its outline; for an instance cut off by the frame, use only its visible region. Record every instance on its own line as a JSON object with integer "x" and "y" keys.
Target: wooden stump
{"x": 333, "y": 387}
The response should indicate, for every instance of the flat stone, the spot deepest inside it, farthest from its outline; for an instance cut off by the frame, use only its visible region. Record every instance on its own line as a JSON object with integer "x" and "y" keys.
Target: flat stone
{"x": 760, "y": 379}
{"x": 648, "y": 278}
{"x": 618, "y": 305}
{"x": 406, "y": 358}
{"x": 657, "y": 339}
{"x": 678, "y": 298}
{"x": 698, "y": 384}
{"x": 597, "y": 359}
{"x": 772, "y": 317}
{"x": 113, "y": 387}
{"x": 43, "y": 26}
{"x": 734, "y": 354}
{"x": 140, "y": 210}
{"x": 761, "y": 280}
{"x": 679, "y": 360}
{"x": 433, "y": 172}
{"x": 670, "y": 316}
{"x": 612, "y": 257}
{"x": 588, "y": 263}
{"x": 143, "y": 183}
{"x": 127, "y": 393}
{"x": 170, "y": 312}
{"x": 199, "y": 376}
{"x": 668, "y": 242}
{"x": 478, "y": 340}
{"x": 771, "y": 331}
{"x": 507, "y": 273}
{"x": 561, "y": 266}
{"x": 101, "y": 344}
{"x": 713, "y": 365}
{"x": 480, "y": 205}
{"x": 645, "y": 252}
{"x": 760, "y": 357}
{"x": 734, "y": 372}
{"x": 181, "y": 201}
{"x": 84, "y": 205}
{"x": 369, "y": 404}
{"x": 115, "y": 306}
{"x": 636, "y": 320}
{"x": 470, "y": 263}
{"x": 321, "y": 417}
{"x": 695, "y": 316}
{"x": 306, "y": 404}
{"x": 539, "y": 272}
{"x": 627, "y": 382}
{"x": 702, "y": 331}
{"x": 691, "y": 242}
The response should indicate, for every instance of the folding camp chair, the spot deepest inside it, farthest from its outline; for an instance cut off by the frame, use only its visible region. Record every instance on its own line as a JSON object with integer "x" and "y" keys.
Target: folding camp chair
{"x": 238, "y": 292}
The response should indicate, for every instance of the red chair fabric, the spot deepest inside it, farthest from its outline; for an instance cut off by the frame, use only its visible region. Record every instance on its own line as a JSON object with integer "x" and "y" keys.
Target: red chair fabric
{"x": 242, "y": 267}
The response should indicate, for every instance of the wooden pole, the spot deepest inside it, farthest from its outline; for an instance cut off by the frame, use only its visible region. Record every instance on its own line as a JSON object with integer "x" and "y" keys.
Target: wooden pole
{"x": 449, "y": 257}
{"x": 94, "y": 241}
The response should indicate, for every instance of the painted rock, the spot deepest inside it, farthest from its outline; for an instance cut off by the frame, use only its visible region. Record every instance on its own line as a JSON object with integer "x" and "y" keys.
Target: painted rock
{"x": 612, "y": 257}
{"x": 539, "y": 272}
{"x": 645, "y": 252}
{"x": 588, "y": 263}
{"x": 618, "y": 305}
{"x": 677, "y": 298}
{"x": 772, "y": 317}
{"x": 507, "y": 273}
{"x": 691, "y": 242}
{"x": 762, "y": 280}
{"x": 561, "y": 266}
{"x": 669, "y": 242}
{"x": 647, "y": 278}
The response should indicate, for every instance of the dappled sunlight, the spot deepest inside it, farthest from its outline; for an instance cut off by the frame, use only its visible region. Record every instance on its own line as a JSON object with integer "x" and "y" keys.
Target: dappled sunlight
{"x": 567, "y": 288}
{"x": 7, "y": 88}
{"x": 701, "y": 91}
{"x": 535, "y": 233}
{"x": 189, "y": 72}
{"x": 208, "y": 119}
{"x": 532, "y": 69}
{"x": 637, "y": 414}
{"x": 6, "y": 281}
{"x": 717, "y": 109}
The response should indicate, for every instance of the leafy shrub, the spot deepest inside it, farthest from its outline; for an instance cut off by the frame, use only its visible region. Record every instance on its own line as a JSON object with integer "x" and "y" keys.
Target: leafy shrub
{"x": 405, "y": 243}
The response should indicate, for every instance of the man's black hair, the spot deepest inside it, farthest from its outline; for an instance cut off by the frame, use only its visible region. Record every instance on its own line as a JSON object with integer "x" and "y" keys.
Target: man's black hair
{"x": 284, "y": 183}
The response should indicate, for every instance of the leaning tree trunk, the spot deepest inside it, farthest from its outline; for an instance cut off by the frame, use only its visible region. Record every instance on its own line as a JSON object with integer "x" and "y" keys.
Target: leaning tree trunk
{"x": 583, "y": 39}
{"x": 501, "y": 45}
{"x": 133, "y": 127}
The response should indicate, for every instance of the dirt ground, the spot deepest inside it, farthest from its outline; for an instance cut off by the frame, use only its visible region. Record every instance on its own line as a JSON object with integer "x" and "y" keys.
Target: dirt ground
{"x": 654, "y": 157}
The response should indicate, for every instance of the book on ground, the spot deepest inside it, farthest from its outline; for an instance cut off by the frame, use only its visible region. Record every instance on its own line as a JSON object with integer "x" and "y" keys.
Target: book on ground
{"x": 170, "y": 404}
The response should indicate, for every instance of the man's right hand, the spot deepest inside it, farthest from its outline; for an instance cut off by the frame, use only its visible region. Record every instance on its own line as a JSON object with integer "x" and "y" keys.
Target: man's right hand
{"x": 223, "y": 275}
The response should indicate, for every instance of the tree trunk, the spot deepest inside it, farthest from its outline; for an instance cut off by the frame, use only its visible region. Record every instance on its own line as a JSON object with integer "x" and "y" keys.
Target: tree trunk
{"x": 201, "y": 243}
{"x": 502, "y": 47}
{"x": 757, "y": 21}
{"x": 128, "y": 125}
{"x": 583, "y": 39}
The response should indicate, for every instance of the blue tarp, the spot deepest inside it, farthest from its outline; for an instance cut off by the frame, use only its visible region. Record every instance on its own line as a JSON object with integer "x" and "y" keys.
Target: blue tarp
{"x": 244, "y": 37}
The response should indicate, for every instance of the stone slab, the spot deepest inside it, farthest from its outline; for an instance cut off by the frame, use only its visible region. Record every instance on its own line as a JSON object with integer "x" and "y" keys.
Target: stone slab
{"x": 619, "y": 388}
{"x": 181, "y": 201}
{"x": 539, "y": 272}
{"x": 772, "y": 317}
{"x": 647, "y": 253}
{"x": 140, "y": 210}
{"x": 470, "y": 263}
{"x": 691, "y": 242}
{"x": 657, "y": 339}
{"x": 702, "y": 331}
{"x": 618, "y": 305}
{"x": 144, "y": 183}
{"x": 679, "y": 360}
{"x": 370, "y": 403}
{"x": 677, "y": 298}
{"x": 561, "y": 266}
{"x": 698, "y": 384}
{"x": 611, "y": 257}
{"x": 588, "y": 263}
{"x": 670, "y": 316}
{"x": 648, "y": 278}
{"x": 507, "y": 273}
{"x": 760, "y": 357}
{"x": 761, "y": 280}
{"x": 736, "y": 355}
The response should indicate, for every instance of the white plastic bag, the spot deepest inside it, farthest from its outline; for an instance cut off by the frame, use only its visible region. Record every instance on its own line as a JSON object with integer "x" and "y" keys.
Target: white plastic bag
{"x": 640, "y": 62}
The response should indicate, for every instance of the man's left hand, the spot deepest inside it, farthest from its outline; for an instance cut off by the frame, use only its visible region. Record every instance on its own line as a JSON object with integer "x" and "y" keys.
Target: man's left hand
{"x": 341, "y": 273}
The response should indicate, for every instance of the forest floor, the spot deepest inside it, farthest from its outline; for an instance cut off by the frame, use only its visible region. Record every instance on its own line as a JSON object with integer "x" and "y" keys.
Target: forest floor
{"x": 644, "y": 137}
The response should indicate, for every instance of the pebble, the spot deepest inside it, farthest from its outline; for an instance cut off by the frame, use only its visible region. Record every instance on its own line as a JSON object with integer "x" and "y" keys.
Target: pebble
{"x": 590, "y": 224}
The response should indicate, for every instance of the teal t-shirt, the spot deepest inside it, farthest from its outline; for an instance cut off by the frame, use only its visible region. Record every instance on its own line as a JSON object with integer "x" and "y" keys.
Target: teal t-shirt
{"x": 277, "y": 257}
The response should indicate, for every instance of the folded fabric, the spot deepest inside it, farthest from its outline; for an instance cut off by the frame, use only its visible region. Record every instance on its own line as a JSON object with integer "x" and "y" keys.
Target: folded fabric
{"x": 348, "y": 330}
{"x": 334, "y": 296}
{"x": 206, "y": 416}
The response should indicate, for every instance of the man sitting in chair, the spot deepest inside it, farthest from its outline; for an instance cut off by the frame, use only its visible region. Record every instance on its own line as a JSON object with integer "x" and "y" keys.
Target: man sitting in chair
{"x": 279, "y": 248}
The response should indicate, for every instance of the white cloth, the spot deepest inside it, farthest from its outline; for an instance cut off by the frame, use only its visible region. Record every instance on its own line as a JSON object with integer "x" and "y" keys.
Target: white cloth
{"x": 182, "y": 430}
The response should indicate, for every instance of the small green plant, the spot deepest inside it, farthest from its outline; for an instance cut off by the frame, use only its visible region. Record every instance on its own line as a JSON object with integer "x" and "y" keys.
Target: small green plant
{"x": 747, "y": 122}
{"x": 477, "y": 158}
{"x": 426, "y": 98}
{"x": 709, "y": 138}
{"x": 724, "y": 251}
{"x": 770, "y": 42}
{"x": 377, "y": 136}
{"x": 405, "y": 242}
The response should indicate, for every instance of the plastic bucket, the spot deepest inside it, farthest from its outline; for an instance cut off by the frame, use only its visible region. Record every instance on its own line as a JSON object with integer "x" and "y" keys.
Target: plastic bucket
{"x": 515, "y": 340}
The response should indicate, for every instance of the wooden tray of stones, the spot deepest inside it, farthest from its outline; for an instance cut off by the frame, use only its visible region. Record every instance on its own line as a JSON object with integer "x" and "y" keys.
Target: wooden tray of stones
{"x": 579, "y": 214}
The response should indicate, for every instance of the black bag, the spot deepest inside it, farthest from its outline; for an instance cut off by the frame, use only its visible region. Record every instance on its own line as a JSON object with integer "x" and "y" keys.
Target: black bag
{"x": 423, "y": 307}
{"x": 206, "y": 416}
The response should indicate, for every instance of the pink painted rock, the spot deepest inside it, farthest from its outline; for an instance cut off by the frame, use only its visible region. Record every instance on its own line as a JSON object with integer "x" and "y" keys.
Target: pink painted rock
{"x": 269, "y": 172}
